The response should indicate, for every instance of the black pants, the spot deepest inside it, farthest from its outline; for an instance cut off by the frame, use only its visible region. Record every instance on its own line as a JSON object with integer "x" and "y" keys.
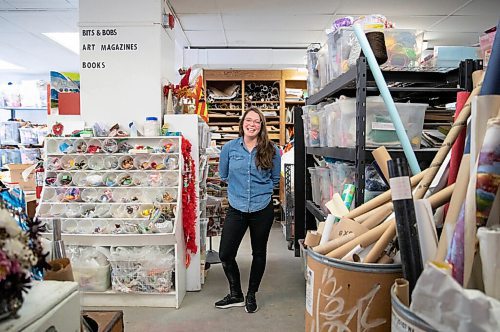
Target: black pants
{"x": 235, "y": 226}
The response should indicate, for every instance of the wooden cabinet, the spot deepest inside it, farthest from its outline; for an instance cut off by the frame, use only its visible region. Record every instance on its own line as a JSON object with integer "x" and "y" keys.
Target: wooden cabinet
{"x": 231, "y": 92}
{"x": 293, "y": 93}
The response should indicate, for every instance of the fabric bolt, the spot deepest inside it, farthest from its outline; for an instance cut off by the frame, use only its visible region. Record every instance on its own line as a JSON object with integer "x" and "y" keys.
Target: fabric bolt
{"x": 249, "y": 188}
{"x": 235, "y": 226}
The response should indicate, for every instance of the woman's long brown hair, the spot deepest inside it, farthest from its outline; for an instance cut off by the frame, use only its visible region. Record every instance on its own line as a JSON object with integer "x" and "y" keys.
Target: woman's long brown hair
{"x": 265, "y": 148}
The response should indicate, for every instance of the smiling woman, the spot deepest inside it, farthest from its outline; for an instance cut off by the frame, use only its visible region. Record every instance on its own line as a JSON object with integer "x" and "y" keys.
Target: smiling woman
{"x": 253, "y": 125}
{"x": 250, "y": 165}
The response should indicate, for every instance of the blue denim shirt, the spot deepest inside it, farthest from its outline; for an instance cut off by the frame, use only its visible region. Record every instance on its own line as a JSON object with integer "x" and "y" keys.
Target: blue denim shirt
{"x": 249, "y": 188}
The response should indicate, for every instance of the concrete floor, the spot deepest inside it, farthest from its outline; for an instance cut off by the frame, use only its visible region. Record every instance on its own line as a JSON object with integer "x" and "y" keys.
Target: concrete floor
{"x": 281, "y": 298}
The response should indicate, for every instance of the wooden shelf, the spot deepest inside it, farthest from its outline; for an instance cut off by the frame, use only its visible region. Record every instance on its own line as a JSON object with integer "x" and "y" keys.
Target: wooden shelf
{"x": 286, "y": 78}
{"x": 223, "y": 116}
{"x": 224, "y": 124}
{"x": 226, "y": 102}
{"x": 262, "y": 102}
{"x": 225, "y": 109}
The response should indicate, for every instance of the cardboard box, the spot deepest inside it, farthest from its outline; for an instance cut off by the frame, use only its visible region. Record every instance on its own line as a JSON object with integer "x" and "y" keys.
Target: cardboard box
{"x": 108, "y": 321}
{"x": 16, "y": 176}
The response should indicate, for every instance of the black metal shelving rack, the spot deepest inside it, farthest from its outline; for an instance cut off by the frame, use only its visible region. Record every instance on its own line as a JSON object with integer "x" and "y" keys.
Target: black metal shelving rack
{"x": 430, "y": 85}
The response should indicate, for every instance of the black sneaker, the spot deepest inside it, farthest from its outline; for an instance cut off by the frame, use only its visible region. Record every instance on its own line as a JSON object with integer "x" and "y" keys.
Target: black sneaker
{"x": 230, "y": 301}
{"x": 251, "y": 303}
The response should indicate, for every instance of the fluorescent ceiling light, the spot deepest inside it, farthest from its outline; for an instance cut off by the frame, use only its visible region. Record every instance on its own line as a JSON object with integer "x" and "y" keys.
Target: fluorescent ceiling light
{"x": 70, "y": 40}
{"x": 4, "y": 65}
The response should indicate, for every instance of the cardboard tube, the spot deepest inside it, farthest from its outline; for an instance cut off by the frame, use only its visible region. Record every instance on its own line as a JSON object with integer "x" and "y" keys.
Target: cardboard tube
{"x": 381, "y": 244}
{"x": 321, "y": 227}
{"x": 381, "y": 199}
{"x": 441, "y": 197}
{"x": 385, "y": 260}
{"x": 350, "y": 255}
{"x": 457, "y": 198}
{"x": 364, "y": 240}
{"x": 378, "y": 217}
{"x": 381, "y": 156}
{"x": 367, "y": 215}
{"x": 401, "y": 288}
{"x": 312, "y": 239}
{"x": 459, "y": 124}
{"x": 325, "y": 235}
{"x": 333, "y": 244}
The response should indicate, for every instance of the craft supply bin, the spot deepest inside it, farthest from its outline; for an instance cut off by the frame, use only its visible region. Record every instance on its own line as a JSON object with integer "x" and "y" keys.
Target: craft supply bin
{"x": 379, "y": 127}
{"x": 403, "y": 49}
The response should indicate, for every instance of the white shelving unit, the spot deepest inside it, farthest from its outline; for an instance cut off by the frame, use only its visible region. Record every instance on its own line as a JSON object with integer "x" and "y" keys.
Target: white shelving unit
{"x": 96, "y": 208}
{"x": 194, "y": 129}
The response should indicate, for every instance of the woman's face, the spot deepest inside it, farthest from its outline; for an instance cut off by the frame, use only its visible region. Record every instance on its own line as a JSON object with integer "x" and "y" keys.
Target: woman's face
{"x": 251, "y": 125}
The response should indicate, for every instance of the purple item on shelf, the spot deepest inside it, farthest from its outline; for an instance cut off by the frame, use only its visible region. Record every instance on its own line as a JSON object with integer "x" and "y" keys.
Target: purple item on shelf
{"x": 342, "y": 23}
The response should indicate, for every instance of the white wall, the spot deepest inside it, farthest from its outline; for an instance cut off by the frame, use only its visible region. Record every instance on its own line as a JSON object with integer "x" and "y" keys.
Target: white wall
{"x": 245, "y": 58}
{"x": 127, "y": 85}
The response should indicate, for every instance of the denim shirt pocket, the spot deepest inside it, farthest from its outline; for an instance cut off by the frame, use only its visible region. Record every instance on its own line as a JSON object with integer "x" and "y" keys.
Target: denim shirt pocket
{"x": 236, "y": 162}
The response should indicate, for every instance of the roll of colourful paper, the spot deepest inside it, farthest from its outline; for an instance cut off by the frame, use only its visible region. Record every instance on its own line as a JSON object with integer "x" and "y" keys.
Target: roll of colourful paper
{"x": 348, "y": 195}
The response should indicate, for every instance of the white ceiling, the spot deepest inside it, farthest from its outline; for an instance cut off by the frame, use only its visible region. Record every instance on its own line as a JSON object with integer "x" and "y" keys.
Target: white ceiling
{"x": 240, "y": 23}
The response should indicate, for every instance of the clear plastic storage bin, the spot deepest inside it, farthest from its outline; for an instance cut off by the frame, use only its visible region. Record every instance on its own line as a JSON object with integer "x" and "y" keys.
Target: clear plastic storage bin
{"x": 403, "y": 49}
{"x": 323, "y": 175}
{"x": 346, "y": 127}
{"x": 316, "y": 191}
{"x": 324, "y": 76}
{"x": 313, "y": 82}
{"x": 341, "y": 173}
{"x": 10, "y": 156}
{"x": 313, "y": 127}
{"x": 331, "y": 121}
{"x": 29, "y": 156}
{"x": 95, "y": 279}
{"x": 41, "y": 133}
{"x": 323, "y": 128}
{"x": 28, "y": 136}
{"x": 307, "y": 123}
{"x": 379, "y": 127}
{"x": 9, "y": 132}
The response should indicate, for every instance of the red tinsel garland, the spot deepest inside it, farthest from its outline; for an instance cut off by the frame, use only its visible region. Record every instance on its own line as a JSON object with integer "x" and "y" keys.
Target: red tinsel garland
{"x": 189, "y": 200}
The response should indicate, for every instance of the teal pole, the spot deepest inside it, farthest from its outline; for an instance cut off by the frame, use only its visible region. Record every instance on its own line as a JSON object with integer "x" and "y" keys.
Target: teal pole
{"x": 389, "y": 102}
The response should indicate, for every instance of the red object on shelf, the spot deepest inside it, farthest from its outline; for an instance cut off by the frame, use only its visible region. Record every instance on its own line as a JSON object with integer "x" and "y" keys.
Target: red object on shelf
{"x": 69, "y": 103}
